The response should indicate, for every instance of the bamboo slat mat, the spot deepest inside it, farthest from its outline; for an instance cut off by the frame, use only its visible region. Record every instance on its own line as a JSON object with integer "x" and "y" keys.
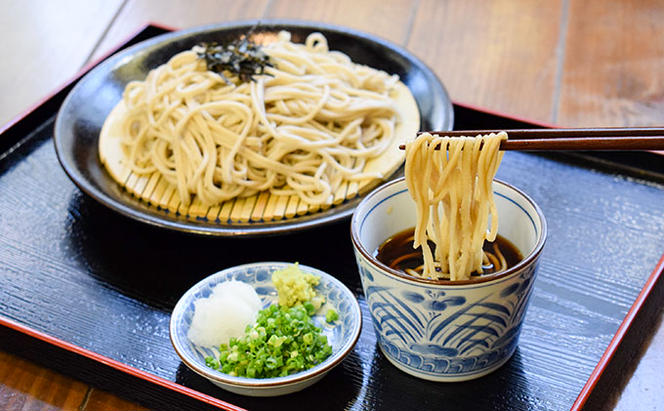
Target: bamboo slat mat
{"x": 262, "y": 207}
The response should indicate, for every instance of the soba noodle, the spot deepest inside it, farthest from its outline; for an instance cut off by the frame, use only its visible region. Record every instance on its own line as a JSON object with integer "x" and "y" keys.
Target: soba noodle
{"x": 303, "y": 129}
{"x": 450, "y": 180}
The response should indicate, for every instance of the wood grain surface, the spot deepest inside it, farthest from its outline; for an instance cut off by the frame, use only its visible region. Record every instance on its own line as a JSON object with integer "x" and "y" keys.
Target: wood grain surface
{"x": 44, "y": 44}
{"x": 502, "y": 55}
{"x": 646, "y": 385}
{"x": 614, "y": 53}
{"x": 26, "y": 386}
{"x": 99, "y": 400}
{"x": 175, "y": 13}
{"x": 570, "y": 62}
{"x": 389, "y": 19}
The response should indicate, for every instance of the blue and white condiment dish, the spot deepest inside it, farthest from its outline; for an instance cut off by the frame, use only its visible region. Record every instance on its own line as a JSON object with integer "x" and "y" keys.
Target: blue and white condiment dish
{"x": 342, "y": 335}
{"x": 446, "y": 330}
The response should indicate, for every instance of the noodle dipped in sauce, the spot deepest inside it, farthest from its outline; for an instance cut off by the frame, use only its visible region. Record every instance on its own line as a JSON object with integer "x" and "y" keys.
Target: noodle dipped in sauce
{"x": 397, "y": 252}
{"x": 450, "y": 181}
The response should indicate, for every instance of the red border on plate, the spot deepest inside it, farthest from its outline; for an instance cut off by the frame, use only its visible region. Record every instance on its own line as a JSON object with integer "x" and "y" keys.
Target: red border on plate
{"x": 578, "y": 404}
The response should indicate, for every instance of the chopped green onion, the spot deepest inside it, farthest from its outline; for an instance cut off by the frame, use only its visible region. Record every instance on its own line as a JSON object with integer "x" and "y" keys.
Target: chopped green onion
{"x": 283, "y": 341}
{"x": 331, "y": 316}
{"x": 309, "y": 307}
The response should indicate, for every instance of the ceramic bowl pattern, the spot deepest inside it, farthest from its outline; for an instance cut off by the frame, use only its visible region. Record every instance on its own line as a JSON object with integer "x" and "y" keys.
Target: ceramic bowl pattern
{"x": 440, "y": 330}
{"x": 342, "y": 335}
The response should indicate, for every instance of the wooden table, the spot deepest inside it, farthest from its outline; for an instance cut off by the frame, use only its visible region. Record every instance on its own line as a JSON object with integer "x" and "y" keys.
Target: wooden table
{"x": 565, "y": 62}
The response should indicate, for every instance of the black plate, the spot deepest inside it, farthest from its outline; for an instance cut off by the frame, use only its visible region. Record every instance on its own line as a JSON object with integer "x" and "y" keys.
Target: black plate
{"x": 83, "y": 113}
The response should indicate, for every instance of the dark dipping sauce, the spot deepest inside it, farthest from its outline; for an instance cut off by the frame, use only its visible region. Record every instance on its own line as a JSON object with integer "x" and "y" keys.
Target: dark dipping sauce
{"x": 397, "y": 252}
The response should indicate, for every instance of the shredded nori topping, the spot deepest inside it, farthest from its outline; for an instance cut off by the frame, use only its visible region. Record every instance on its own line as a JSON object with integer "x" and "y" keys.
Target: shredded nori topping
{"x": 241, "y": 57}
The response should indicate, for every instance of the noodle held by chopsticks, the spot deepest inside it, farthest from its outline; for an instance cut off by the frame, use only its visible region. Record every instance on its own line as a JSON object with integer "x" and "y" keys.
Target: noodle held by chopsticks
{"x": 450, "y": 180}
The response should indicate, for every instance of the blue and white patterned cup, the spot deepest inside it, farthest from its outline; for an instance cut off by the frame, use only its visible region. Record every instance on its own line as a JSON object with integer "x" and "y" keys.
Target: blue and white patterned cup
{"x": 442, "y": 330}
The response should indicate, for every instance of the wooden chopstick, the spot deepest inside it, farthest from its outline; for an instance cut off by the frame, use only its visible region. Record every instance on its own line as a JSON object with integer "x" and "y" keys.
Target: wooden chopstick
{"x": 577, "y": 139}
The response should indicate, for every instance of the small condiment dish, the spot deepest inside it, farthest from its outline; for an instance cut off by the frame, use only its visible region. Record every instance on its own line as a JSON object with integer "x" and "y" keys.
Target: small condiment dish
{"x": 342, "y": 335}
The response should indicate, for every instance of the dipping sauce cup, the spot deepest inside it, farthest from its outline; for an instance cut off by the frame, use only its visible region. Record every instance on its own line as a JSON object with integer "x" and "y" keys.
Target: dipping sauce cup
{"x": 437, "y": 329}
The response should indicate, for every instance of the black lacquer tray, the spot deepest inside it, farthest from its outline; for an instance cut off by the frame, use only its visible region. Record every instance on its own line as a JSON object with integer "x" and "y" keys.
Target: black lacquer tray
{"x": 88, "y": 292}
